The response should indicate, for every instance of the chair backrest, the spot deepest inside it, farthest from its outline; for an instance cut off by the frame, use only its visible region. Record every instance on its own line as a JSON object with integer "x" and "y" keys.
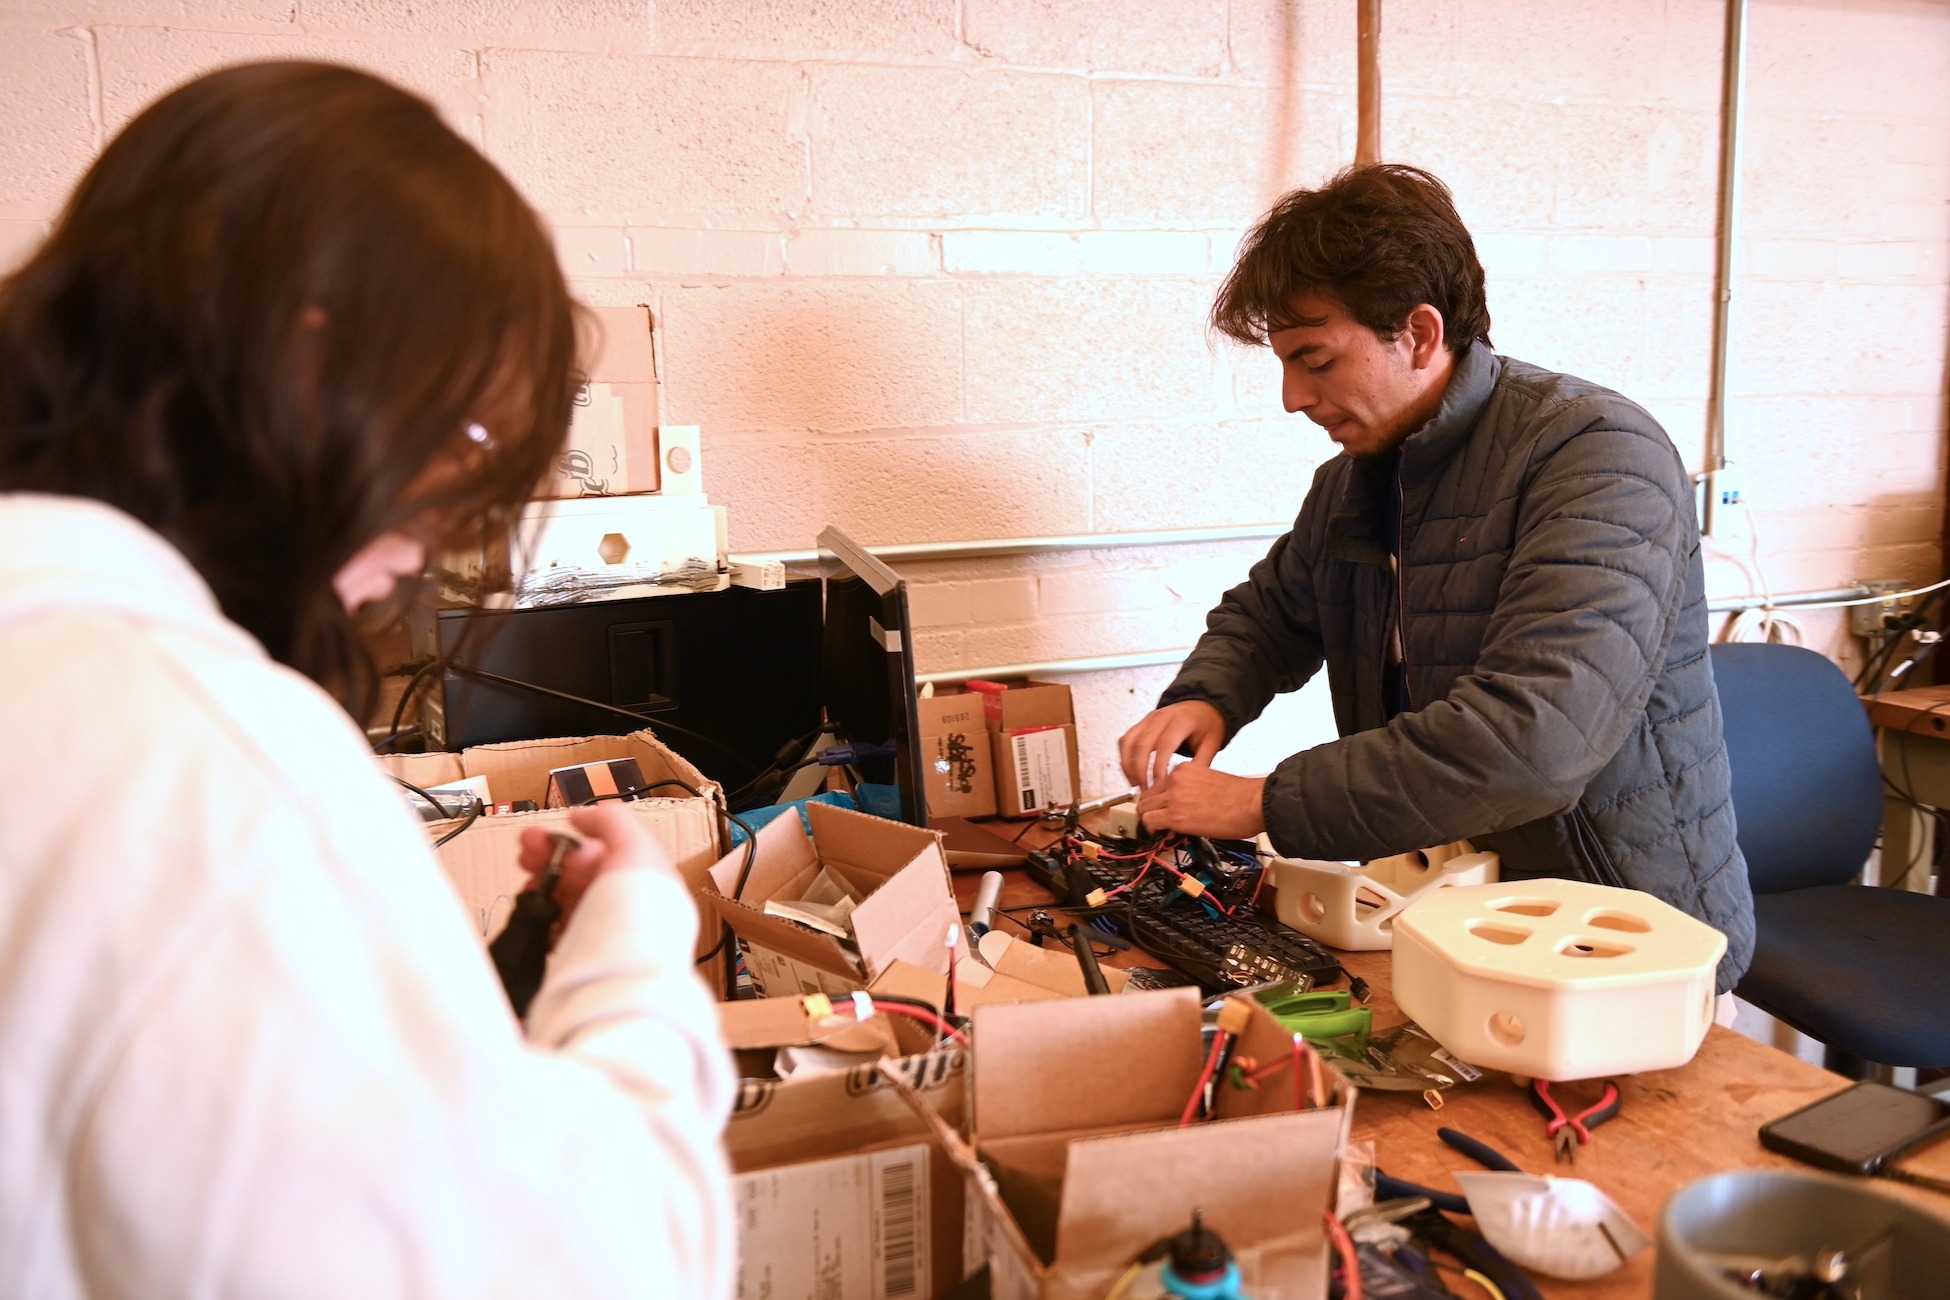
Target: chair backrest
{"x": 1807, "y": 790}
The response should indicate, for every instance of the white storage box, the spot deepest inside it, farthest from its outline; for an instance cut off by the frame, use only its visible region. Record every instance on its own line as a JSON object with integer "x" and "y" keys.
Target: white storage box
{"x": 1354, "y": 908}
{"x": 1557, "y": 979}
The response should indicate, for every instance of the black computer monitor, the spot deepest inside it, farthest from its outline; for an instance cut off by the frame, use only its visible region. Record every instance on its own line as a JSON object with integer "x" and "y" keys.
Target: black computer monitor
{"x": 867, "y": 668}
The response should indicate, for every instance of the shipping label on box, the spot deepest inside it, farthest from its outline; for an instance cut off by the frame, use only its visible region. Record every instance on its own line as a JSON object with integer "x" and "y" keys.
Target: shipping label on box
{"x": 860, "y": 1221}
{"x": 1036, "y": 770}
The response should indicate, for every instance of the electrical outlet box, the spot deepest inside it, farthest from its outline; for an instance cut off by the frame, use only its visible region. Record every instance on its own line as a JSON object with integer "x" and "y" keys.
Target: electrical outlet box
{"x": 1885, "y": 616}
{"x": 1723, "y": 512}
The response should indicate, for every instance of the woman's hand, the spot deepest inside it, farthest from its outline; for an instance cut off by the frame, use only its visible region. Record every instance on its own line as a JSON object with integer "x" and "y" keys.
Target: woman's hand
{"x": 612, "y": 840}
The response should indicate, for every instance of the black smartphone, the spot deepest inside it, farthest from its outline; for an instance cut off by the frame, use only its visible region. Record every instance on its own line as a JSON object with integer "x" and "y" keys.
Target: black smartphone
{"x": 1859, "y": 1129}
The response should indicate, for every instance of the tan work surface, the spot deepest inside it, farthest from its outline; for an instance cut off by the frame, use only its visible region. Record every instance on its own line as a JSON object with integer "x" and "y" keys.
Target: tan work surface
{"x": 1676, "y": 1125}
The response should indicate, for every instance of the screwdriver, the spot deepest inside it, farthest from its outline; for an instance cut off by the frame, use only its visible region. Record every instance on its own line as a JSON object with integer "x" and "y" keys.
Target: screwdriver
{"x": 520, "y": 951}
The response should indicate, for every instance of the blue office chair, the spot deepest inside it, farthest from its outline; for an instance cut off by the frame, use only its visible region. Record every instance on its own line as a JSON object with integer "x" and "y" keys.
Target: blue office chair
{"x": 1864, "y": 970}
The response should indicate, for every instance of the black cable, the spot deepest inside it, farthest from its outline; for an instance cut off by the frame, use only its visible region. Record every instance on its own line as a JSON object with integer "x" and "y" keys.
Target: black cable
{"x": 431, "y": 802}
{"x": 474, "y": 809}
{"x": 391, "y": 739}
{"x": 658, "y": 724}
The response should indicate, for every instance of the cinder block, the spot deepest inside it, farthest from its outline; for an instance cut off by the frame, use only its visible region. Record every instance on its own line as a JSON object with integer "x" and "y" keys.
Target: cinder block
{"x": 940, "y": 649}
{"x": 1890, "y": 60}
{"x": 1677, "y": 359}
{"x": 814, "y": 355}
{"x": 1187, "y": 37}
{"x": 629, "y": 291}
{"x": 18, "y": 240}
{"x": 1873, "y": 339}
{"x": 1514, "y": 255}
{"x": 1003, "y": 600}
{"x": 1925, "y": 222}
{"x": 1106, "y": 590}
{"x": 842, "y": 252}
{"x": 1010, "y": 252}
{"x": 643, "y": 140}
{"x": 927, "y": 142}
{"x": 1600, "y": 254}
{"x": 1592, "y": 327}
{"x": 1687, "y": 255}
{"x": 1501, "y": 50}
{"x": 951, "y": 487}
{"x": 1626, "y": 168}
{"x": 1288, "y": 44}
{"x": 47, "y": 136}
{"x": 206, "y": 14}
{"x": 1205, "y": 476}
{"x": 1498, "y": 156}
{"x": 592, "y": 252}
{"x": 1925, "y": 262}
{"x": 1087, "y": 350}
{"x": 1814, "y": 177}
{"x": 769, "y": 488}
{"x": 618, "y": 25}
{"x": 878, "y": 30}
{"x": 938, "y": 604}
{"x": 1788, "y": 259}
{"x": 1179, "y": 152}
{"x": 656, "y": 251}
{"x": 139, "y": 63}
{"x": 1147, "y": 252}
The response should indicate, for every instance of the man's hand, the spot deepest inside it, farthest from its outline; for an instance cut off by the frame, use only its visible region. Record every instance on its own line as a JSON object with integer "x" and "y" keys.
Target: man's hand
{"x": 1148, "y": 748}
{"x": 1196, "y": 800}
{"x": 612, "y": 840}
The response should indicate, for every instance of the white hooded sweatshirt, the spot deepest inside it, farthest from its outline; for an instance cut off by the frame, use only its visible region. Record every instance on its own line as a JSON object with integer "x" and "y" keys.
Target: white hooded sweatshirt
{"x": 249, "y": 1046}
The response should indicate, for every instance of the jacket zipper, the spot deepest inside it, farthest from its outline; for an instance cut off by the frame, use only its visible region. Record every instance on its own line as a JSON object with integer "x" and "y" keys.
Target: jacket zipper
{"x": 1401, "y": 596}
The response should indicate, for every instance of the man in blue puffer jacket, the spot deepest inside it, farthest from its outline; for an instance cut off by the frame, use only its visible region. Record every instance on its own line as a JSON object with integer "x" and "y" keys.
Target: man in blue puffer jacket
{"x": 1501, "y": 572}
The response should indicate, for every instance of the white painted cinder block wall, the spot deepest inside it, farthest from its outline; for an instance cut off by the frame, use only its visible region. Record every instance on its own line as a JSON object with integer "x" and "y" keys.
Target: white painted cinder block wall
{"x": 934, "y": 269}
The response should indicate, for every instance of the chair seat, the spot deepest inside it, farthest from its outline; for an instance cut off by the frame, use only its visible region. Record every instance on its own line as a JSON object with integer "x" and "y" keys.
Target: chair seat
{"x": 1863, "y": 969}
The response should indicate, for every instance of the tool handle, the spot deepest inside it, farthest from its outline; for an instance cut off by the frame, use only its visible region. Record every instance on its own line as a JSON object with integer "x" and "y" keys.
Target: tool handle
{"x": 520, "y": 951}
{"x": 1487, "y": 1156}
{"x": 1389, "y": 1188}
{"x": 1093, "y": 975}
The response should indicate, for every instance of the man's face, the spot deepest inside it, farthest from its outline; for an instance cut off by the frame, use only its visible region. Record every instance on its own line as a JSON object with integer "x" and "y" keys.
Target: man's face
{"x": 1366, "y": 392}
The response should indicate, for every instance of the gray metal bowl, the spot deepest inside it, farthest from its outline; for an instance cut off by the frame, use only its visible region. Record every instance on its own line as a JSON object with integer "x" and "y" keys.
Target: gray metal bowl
{"x": 1896, "y": 1251}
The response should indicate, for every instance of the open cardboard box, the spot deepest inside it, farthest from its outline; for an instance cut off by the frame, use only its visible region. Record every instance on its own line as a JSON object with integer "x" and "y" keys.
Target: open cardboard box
{"x": 1077, "y": 1165}
{"x": 482, "y": 860}
{"x": 957, "y": 754}
{"x": 843, "y": 1183}
{"x": 1016, "y": 971}
{"x": 756, "y": 1028}
{"x": 906, "y": 914}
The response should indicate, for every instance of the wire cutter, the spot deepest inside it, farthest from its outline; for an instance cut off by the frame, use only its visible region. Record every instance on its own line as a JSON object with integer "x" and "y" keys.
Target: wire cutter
{"x": 1571, "y": 1131}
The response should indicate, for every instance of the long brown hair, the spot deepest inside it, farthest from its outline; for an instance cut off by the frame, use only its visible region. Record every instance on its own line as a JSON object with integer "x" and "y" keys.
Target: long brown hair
{"x": 263, "y": 326}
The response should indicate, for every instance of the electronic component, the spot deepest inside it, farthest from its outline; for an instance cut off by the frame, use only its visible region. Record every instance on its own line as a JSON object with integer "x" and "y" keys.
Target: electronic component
{"x": 1180, "y": 918}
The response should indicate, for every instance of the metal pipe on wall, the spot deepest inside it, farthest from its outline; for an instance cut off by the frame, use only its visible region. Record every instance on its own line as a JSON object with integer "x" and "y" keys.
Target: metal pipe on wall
{"x": 1367, "y": 130}
{"x": 967, "y": 550}
{"x": 1734, "y": 80}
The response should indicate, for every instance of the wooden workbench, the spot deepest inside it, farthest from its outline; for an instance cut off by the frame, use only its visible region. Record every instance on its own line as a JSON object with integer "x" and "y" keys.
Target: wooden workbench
{"x": 1676, "y": 1125}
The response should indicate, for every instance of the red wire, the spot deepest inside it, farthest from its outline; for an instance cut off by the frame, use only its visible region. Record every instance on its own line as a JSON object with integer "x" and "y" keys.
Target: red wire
{"x": 925, "y": 1017}
{"x": 1299, "y": 1098}
{"x": 1350, "y": 1262}
{"x": 1211, "y": 1067}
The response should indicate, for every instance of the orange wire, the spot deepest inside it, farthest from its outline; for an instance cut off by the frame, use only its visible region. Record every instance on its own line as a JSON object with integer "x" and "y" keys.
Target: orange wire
{"x": 1204, "y": 1078}
{"x": 1350, "y": 1262}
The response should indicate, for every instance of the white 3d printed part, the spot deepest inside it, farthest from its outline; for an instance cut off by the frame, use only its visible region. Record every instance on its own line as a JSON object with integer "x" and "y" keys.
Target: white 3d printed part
{"x": 1557, "y": 979}
{"x": 1355, "y": 907}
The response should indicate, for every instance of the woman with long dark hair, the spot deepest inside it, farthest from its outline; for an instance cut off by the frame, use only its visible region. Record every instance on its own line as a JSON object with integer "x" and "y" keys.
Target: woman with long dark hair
{"x": 290, "y": 336}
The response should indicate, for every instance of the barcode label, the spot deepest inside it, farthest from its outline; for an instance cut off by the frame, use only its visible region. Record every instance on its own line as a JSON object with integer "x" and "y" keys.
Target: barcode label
{"x": 1042, "y": 768}
{"x": 901, "y": 1252}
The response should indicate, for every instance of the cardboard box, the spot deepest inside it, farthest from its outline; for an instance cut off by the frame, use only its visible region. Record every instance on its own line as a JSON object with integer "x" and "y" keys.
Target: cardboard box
{"x": 1013, "y": 970}
{"x": 755, "y": 1029}
{"x": 906, "y": 913}
{"x": 1077, "y": 1164}
{"x": 844, "y": 1187}
{"x": 482, "y": 860}
{"x": 612, "y": 445}
{"x": 957, "y": 755}
{"x": 1033, "y": 732}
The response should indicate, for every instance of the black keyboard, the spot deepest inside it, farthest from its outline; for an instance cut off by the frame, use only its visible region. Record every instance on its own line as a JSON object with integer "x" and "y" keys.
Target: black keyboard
{"x": 1220, "y": 952}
